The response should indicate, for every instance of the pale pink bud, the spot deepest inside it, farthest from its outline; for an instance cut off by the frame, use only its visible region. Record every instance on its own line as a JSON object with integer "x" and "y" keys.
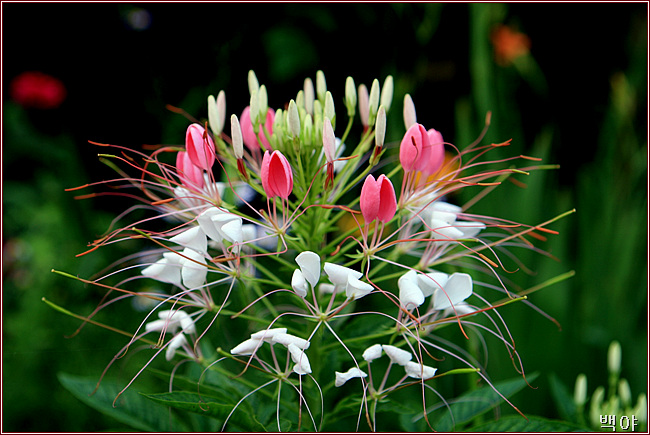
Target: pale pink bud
{"x": 414, "y": 151}
{"x": 329, "y": 141}
{"x": 436, "y": 154}
{"x": 252, "y": 140}
{"x": 364, "y": 104}
{"x": 277, "y": 178}
{"x": 200, "y": 147}
{"x": 190, "y": 175}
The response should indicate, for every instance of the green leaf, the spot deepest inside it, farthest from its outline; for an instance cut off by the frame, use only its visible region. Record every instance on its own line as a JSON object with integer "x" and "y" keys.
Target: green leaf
{"x": 517, "y": 423}
{"x": 472, "y": 404}
{"x": 130, "y": 408}
{"x": 209, "y": 406}
{"x": 563, "y": 399}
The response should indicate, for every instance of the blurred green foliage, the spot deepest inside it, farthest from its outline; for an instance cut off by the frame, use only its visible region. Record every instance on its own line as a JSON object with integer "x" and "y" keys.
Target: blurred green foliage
{"x": 443, "y": 56}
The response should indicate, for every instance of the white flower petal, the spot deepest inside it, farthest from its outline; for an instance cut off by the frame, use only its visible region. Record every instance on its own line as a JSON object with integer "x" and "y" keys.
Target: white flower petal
{"x": 419, "y": 371}
{"x": 457, "y": 289}
{"x": 342, "y": 378}
{"x": 247, "y": 347}
{"x": 397, "y": 355}
{"x": 268, "y": 334}
{"x": 194, "y": 269}
{"x": 289, "y": 339}
{"x": 372, "y": 353}
{"x": 469, "y": 229}
{"x": 167, "y": 269}
{"x": 445, "y": 216}
{"x": 357, "y": 289}
{"x": 338, "y": 275}
{"x": 410, "y": 295}
{"x": 175, "y": 343}
{"x": 309, "y": 263}
{"x": 298, "y": 283}
{"x": 326, "y": 288}
{"x": 299, "y": 357}
{"x": 178, "y": 317}
{"x": 207, "y": 225}
{"x": 443, "y": 230}
{"x": 192, "y": 238}
{"x": 431, "y": 281}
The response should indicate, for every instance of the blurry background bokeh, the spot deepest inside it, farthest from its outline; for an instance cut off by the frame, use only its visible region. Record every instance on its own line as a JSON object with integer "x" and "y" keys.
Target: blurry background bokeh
{"x": 567, "y": 82}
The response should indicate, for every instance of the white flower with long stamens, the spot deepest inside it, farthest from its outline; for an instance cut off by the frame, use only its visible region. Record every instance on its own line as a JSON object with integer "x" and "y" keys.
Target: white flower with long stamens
{"x": 175, "y": 343}
{"x": 193, "y": 238}
{"x": 342, "y": 378}
{"x": 247, "y": 347}
{"x": 338, "y": 275}
{"x": 219, "y": 224}
{"x": 419, "y": 371}
{"x": 432, "y": 281}
{"x": 356, "y": 288}
{"x": 397, "y": 355}
{"x": 167, "y": 269}
{"x": 287, "y": 339}
{"x": 299, "y": 357}
{"x": 372, "y": 353}
{"x": 176, "y": 318}
{"x": 268, "y": 334}
{"x": 194, "y": 270}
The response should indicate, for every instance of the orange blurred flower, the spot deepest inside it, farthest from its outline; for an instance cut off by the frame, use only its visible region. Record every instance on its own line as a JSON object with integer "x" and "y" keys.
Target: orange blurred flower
{"x": 508, "y": 44}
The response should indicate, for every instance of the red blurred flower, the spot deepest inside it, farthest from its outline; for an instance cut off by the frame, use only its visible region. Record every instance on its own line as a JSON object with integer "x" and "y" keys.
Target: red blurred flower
{"x": 508, "y": 44}
{"x": 38, "y": 90}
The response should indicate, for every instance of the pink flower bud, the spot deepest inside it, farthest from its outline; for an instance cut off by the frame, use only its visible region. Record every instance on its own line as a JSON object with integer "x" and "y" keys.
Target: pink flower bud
{"x": 200, "y": 147}
{"x": 277, "y": 178}
{"x": 437, "y": 153}
{"x": 190, "y": 175}
{"x": 414, "y": 151}
{"x": 251, "y": 140}
{"x": 378, "y": 199}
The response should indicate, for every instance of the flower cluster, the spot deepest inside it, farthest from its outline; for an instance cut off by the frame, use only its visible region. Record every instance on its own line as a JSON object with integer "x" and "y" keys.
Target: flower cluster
{"x": 280, "y": 240}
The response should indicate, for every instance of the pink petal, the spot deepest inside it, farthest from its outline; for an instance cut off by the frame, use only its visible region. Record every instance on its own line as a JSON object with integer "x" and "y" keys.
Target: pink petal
{"x": 201, "y": 152}
{"x": 387, "y": 199}
{"x": 414, "y": 151}
{"x": 266, "y": 161}
{"x": 369, "y": 201}
{"x": 437, "y": 152}
{"x": 280, "y": 176}
{"x": 190, "y": 175}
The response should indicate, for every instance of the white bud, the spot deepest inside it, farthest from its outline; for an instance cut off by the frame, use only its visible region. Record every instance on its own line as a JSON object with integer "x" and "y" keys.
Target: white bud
{"x": 397, "y": 355}
{"x": 262, "y": 103}
{"x": 387, "y": 93}
{"x": 614, "y": 357}
{"x": 372, "y": 353}
{"x": 419, "y": 371}
{"x": 380, "y": 127}
{"x": 580, "y": 392}
{"x": 253, "y": 84}
{"x": 373, "y": 102}
{"x": 350, "y": 96}
{"x": 308, "y": 89}
{"x": 329, "y": 141}
{"x": 342, "y": 378}
{"x": 409, "y": 112}
{"x": 237, "y": 140}
{"x": 321, "y": 86}
{"x": 254, "y": 110}
{"x": 217, "y": 112}
{"x": 299, "y": 283}
{"x": 329, "y": 111}
{"x": 624, "y": 393}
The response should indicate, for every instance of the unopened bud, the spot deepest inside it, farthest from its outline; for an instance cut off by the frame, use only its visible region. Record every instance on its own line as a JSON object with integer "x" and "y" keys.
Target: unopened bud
{"x": 307, "y": 128}
{"x": 279, "y": 122}
{"x": 255, "y": 110}
{"x": 641, "y": 409}
{"x": 329, "y": 111}
{"x": 300, "y": 99}
{"x": 293, "y": 119}
{"x": 614, "y": 358}
{"x": 409, "y": 112}
{"x": 350, "y": 96}
{"x": 363, "y": 104}
{"x": 262, "y": 101}
{"x": 595, "y": 407}
{"x": 237, "y": 140}
{"x": 387, "y": 93}
{"x": 321, "y": 86}
{"x": 380, "y": 127}
{"x": 580, "y": 392}
{"x": 624, "y": 393}
{"x": 373, "y": 102}
{"x": 217, "y": 112}
{"x": 253, "y": 84}
{"x": 308, "y": 88}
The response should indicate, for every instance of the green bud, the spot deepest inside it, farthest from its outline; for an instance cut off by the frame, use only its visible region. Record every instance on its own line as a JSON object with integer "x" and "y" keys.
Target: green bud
{"x": 595, "y": 407}
{"x": 624, "y": 393}
{"x": 387, "y": 94}
{"x": 350, "y": 96}
{"x": 580, "y": 392}
{"x": 641, "y": 409}
{"x": 373, "y": 102}
{"x": 380, "y": 128}
{"x": 293, "y": 119}
{"x": 262, "y": 103}
{"x": 254, "y": 110}
{"x": 614, "y": 358}
{"x": 300, "y": 99}
{"x": 307, "y": 127}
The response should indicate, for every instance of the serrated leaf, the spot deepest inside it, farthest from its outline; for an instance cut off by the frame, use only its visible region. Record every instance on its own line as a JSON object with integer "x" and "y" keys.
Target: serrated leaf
{"x": 517, "y": 423}
{"x": 472, "y": 404}
{"x": 130, "y": 408}
{"x": 209, "y": 406}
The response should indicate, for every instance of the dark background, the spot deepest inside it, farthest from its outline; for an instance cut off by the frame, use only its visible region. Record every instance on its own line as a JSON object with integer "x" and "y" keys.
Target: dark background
{"x": 119, "y": 79}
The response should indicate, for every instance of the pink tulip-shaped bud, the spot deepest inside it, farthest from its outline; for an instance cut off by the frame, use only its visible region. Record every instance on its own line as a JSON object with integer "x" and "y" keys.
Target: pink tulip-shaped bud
{"x": 329, "y": 148}
{"x": 252, "y": 140}
{"x": 369, "y": 201}
{"x": 191, "y": 176}
{"x": 387, "y": 199}
{"x": 437, "y": 152}
{"x": 200, "y": 147}
{"x": 277, "y": 178}
{"x": 364, "y": 105}
{"x": 414, "y": 151}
